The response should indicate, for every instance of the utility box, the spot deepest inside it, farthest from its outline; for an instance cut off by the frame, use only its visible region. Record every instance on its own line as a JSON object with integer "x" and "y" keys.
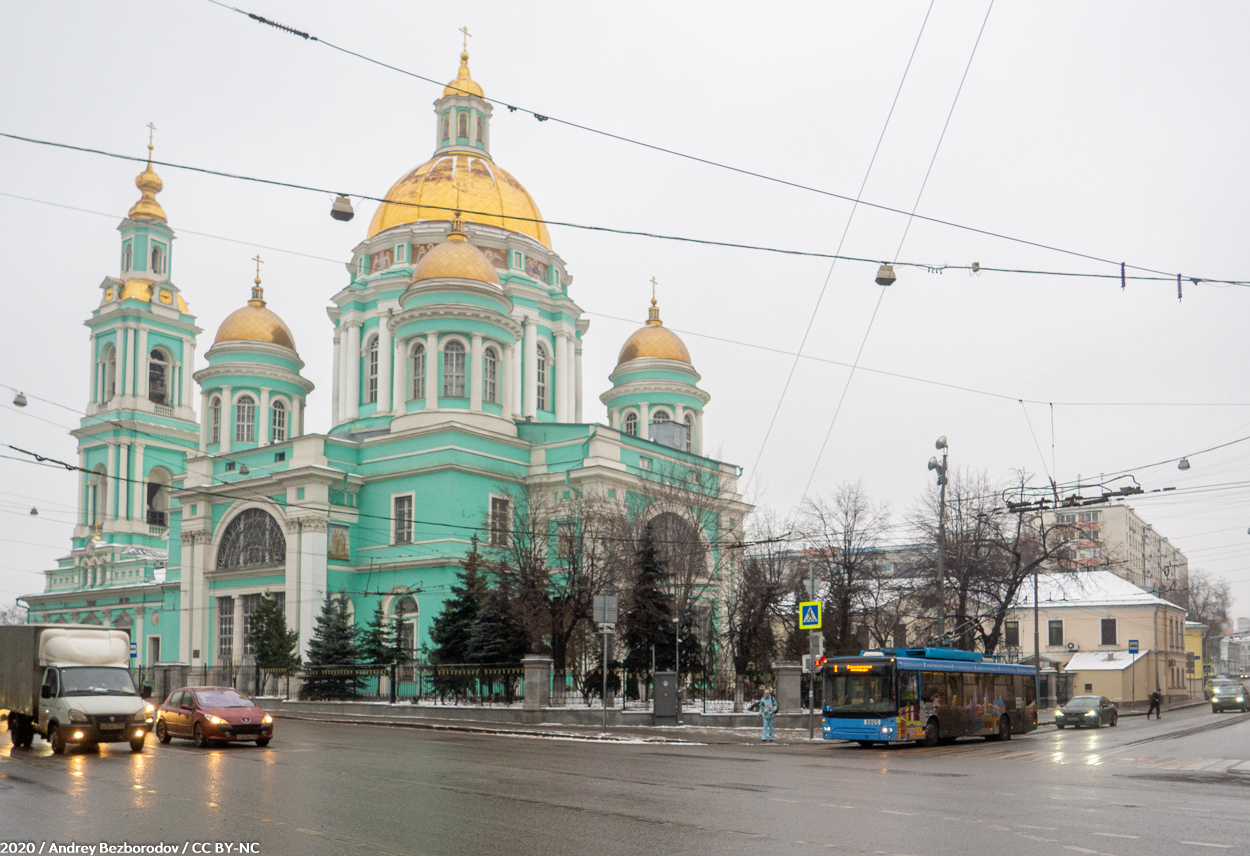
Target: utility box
{"x": 665, "y": 701}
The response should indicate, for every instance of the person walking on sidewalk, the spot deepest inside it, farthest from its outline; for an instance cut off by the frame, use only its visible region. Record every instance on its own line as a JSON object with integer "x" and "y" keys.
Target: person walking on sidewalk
{"x": 1156, "y": 704}
{"x": 768, "y": 710}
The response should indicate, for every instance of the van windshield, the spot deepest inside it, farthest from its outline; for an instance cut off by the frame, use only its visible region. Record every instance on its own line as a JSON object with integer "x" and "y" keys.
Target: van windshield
{"x": 94, "y": 680}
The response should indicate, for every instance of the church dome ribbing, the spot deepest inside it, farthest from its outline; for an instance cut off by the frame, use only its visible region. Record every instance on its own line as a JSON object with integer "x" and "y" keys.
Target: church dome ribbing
{"x": 255, "y": 322}
{"x": 455, "y": 258}
{"x": 654, "y": 341}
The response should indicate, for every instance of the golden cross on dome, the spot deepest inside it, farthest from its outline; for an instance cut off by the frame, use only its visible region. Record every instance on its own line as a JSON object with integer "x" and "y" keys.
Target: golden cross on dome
{"x": 151, "y": 133}
{"x": 653, "y": 285}
{"x": 465, "y": 30}
{"x": 258, "y": 261}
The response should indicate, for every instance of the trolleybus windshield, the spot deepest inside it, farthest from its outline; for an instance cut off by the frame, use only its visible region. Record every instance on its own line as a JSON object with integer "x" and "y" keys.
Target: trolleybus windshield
{"x": 859, "y": 690}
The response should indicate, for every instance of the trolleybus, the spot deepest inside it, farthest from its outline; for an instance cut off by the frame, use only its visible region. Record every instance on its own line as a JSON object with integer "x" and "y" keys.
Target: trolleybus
{"x": 926, "y": 695}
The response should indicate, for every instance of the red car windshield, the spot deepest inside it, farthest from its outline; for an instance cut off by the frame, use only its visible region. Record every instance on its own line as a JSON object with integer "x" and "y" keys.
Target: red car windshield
{"x": 222, "y": 698}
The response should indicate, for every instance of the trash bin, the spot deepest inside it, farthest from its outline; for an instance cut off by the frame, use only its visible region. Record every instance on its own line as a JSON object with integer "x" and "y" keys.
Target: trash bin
{"x": 664, "y": 710}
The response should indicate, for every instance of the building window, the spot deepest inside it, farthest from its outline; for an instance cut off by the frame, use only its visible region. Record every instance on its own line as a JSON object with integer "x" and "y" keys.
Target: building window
{"x": 253, "y": 539}
{"x": 245, "y": 420}
{"x": 128, "y": 256}
{"x": 453, "y": 370}
{"x": 109, "y": 361}
{"x": 158, "y": 377}
{"x": 402, "y": 519}
{"x": 251, "y": 603}
{"x": 278, "y": 424}
{"x": 158, "y": 500}
{"x": 542, "y": 379}
{"x": 1011, "y": 634}
{"x": 490, "y": 376}
{"x": 644, "y": 463}
{"x": 1054, "y": 629}
{"x": 659, "y": 416}
{"x": 214, "y": 433}
{"x": 500, "y": 520}
{"x": 690, "y": 429}
{"x": 481, "y": 128}
{"x": 406, "y": 613}
{"x": 225, "y": 629}
{"x": 462, "y": 123}
{"x": 158, "y": 259}
{"x": 566, "y": 539}
{"x": 446, "y": 127}
{"x": 418, "y": 373}
{"x": 371, "y": 386}
{"x": 1108, "y": 631}
{"x": 631, "y": 424}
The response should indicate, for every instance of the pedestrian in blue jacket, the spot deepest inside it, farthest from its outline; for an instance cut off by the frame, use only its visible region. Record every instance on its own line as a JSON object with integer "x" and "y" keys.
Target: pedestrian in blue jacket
{"x": 768, "y": 710}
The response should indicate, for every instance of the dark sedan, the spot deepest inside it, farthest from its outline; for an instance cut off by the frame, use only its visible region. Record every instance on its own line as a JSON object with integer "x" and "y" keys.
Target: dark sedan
{"x": 1090, "y": 711}
{"x": 1227, "y": 694}
{"x": 211, "y": 714}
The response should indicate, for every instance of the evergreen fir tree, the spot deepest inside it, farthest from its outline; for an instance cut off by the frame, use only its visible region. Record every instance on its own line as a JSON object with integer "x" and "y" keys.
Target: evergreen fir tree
{"x": 376, "y": 644}
{"x": 272, "y": 644}
{"x": 454, "y": 624}
{"x": 498, "y": 635}
{"x": 333, "y": 645}
{"x": 648, "y": 615}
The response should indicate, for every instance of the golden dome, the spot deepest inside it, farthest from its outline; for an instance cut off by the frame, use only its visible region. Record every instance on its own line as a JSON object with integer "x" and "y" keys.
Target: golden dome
{"x": 141, "y": 289}
{"x": 455, "y": 257}
{"x": 463, "y": 84}
{"x": 474, "y": 184}
{"x": 255, "y": 323}
{"x": 654, "y": 341}
{"x": 149, "y": 184}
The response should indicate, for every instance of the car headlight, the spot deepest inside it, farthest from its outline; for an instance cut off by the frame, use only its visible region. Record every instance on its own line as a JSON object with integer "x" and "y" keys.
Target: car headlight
{"x": 1240, "y": 699}
{"x": 1091, "y": 713}
{"x": 267, "y": 720}
{"x": 149, "y": 708}
{"x": 78, "y": 716}
{"x": 216, "y": 720}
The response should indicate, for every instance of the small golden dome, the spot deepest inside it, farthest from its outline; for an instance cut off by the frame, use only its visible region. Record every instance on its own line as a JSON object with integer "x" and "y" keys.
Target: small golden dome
{"x": 473, "y": 183}
{"x": 654, "y": 341}
{"x": 255, "y": 323}
{"x": 463, "y": 84}
{"x": 456, "y": 258}
{"x": 149, "y": 184}
{"x": 141, "y": 289}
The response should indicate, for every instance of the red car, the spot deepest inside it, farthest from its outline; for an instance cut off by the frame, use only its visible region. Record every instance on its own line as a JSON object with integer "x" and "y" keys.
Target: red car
{"x": 210, "y": 714}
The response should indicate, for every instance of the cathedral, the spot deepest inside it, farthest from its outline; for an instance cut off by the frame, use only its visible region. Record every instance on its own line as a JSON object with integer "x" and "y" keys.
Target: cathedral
{"x": 457, "y": 387}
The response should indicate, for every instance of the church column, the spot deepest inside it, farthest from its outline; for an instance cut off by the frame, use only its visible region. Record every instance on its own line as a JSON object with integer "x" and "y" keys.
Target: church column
{"x": 352, "y": 359}
{"x": 139, "y": 487}
{"x": 188, "y": 373}
{"x": 644, "y": 420}
{"x": 518, "y": 398}
{"x": 399, "y": 377}
{"x": 698, "y": 431}
{"x": 84, "y": 516}
{"x": 530, "y": 369}
{"x": 206, "y": 421}
{"x": 227, "y": 419}
{"x": 614, "y": 418}
{"x": 141, "y": 363}
{"x": 577, "y": 381}
{"x": 263, "y": 419}
{"x": 123, "y": 485}
{"x": 431, "y": 371}
{"x": 336, "y": 398}
{"x": 562, "y": 377}
{"x": 126, "y": 357}
{"x": 505, "y": 382}
{"x": 297, "y": 419}
{"x": 385, "y": 356}
{"x": 474, "y": 378}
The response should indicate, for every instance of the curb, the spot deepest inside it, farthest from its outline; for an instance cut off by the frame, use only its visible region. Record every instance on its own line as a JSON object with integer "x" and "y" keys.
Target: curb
{"x": 482, "y": 729}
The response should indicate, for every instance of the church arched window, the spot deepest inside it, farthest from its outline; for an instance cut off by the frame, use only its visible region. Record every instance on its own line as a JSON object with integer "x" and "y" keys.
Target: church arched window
{"x": 418, "y": 373}
{"x": 541, "y": 376}
{"x": 453, "y": 368}
{"x": 245, "y": 420}
{"x": 277, "y": 424}
{"x": 253, "y": 539}
{"x": 462, "y": 124}
{"x": 108, "y": 371}
{"x": 158, "y": 497}
{"x": 660, "y": 416}
{"x": 690, "y": 432}
{"x": 158, "y": 377}
{"x": 446, "y": 127}
{"x": 158, "y": 259}
{"x": 214, "y": 424}
{"x": 481, "y": 129}
{"x": 406, "y": 613}
{"x": 371, "y": 371}
{"x": 128, "y": 256}
{"x": 490, "y": 376}
{"x": 631, "y": 424}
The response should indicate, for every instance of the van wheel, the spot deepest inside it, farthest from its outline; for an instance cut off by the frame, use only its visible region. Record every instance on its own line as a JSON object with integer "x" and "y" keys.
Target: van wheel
{"x": 136, "y": 744}
{"x": 57, "y": 738}
{"x": 262, "y": 742}
{"x": 930, "y": 738}
{"x": 162, "y": 731}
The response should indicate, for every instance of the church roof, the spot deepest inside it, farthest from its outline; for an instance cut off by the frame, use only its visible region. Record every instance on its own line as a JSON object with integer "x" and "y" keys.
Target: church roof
{"x": 655, "y": 341}
{"x": 255, "y": 322}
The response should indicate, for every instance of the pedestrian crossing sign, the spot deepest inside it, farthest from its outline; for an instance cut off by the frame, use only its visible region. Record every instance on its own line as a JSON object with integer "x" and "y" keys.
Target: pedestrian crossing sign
{"x": 809, "y": 615}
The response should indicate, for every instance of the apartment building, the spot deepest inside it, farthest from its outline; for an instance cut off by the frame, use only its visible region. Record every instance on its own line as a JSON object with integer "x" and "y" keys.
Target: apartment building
{"x": 1115, "y": 538}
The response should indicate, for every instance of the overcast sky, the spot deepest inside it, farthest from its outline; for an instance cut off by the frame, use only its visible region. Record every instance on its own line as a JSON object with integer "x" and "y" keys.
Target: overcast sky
{"x": 1112, "y": 130}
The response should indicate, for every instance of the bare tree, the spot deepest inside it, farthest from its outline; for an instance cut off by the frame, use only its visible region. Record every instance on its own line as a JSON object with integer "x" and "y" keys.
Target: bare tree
{"x": 753, "y": 597}
{"x": 842, "y": 533}
{"x": 1209, "y": 601}
{"x": 12, "y": 615}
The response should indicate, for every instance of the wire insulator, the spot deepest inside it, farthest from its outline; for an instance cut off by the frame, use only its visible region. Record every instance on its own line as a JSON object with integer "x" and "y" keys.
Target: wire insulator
{"x": 283, "y": 27}
{"x": 1179, "y": 293}
{"x": 1123, "y": 283}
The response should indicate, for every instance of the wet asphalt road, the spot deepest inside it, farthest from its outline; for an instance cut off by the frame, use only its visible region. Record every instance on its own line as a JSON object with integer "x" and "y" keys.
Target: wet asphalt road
{"x": 1180, "y": 786}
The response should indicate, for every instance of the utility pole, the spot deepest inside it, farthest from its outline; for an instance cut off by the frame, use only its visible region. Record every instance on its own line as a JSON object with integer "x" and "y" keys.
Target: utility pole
{"x": 811, "y": 672}
{"x": 934, "y": 464}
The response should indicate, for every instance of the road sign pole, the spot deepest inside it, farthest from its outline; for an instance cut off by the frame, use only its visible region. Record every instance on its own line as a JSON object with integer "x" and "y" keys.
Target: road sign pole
{"x": 605, "y": 682}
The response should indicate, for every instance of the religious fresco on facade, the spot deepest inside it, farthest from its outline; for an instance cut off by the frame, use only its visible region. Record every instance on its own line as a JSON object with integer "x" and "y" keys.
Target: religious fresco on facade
{"x": 536, "y": 269}
{"x": 338, "y": 545}
{"x": 497, "y": 257}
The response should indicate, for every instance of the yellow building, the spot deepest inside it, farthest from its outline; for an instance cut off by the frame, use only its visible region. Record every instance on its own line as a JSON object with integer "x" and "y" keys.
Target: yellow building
{"x": 1195, "y": 669}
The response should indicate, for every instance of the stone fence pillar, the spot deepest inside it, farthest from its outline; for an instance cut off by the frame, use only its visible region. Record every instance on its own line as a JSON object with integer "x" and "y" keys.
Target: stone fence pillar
{"x": 789, "y": 687}
{"x": 537, "y": 682}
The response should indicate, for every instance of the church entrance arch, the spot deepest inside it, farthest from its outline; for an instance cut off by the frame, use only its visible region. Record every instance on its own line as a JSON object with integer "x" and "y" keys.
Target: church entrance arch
{"x": 253, "y": 539}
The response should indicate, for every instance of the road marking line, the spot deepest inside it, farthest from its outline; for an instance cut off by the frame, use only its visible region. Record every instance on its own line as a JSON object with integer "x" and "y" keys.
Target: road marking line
{"x": 1046, "y": 828}
{"x": 1036, "y": 837}
{"x": 1205, "y": 844}
{"x": 831, "y": 805}
{"x": 779, "y": 799}
{"x": 887, "y": 811}
{"x": 1115, "y": 835}
{"x": 1078, "y": 849}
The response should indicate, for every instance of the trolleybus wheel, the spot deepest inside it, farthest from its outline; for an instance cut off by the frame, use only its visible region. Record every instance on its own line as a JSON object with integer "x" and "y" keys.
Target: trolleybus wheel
{"x": 930, "y": 734}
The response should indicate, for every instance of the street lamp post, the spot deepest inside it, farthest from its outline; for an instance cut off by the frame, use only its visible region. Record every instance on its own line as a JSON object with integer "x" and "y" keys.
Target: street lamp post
{"x": 940, "y": 466}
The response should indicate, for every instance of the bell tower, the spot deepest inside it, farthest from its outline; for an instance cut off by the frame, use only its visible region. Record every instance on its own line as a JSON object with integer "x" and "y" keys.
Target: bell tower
{"x": 463, "y": 114}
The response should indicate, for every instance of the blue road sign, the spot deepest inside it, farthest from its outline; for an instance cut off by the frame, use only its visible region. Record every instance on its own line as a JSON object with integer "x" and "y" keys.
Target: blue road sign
{"x": 809, "y": 615}
{"x": 1132, "y": 646}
